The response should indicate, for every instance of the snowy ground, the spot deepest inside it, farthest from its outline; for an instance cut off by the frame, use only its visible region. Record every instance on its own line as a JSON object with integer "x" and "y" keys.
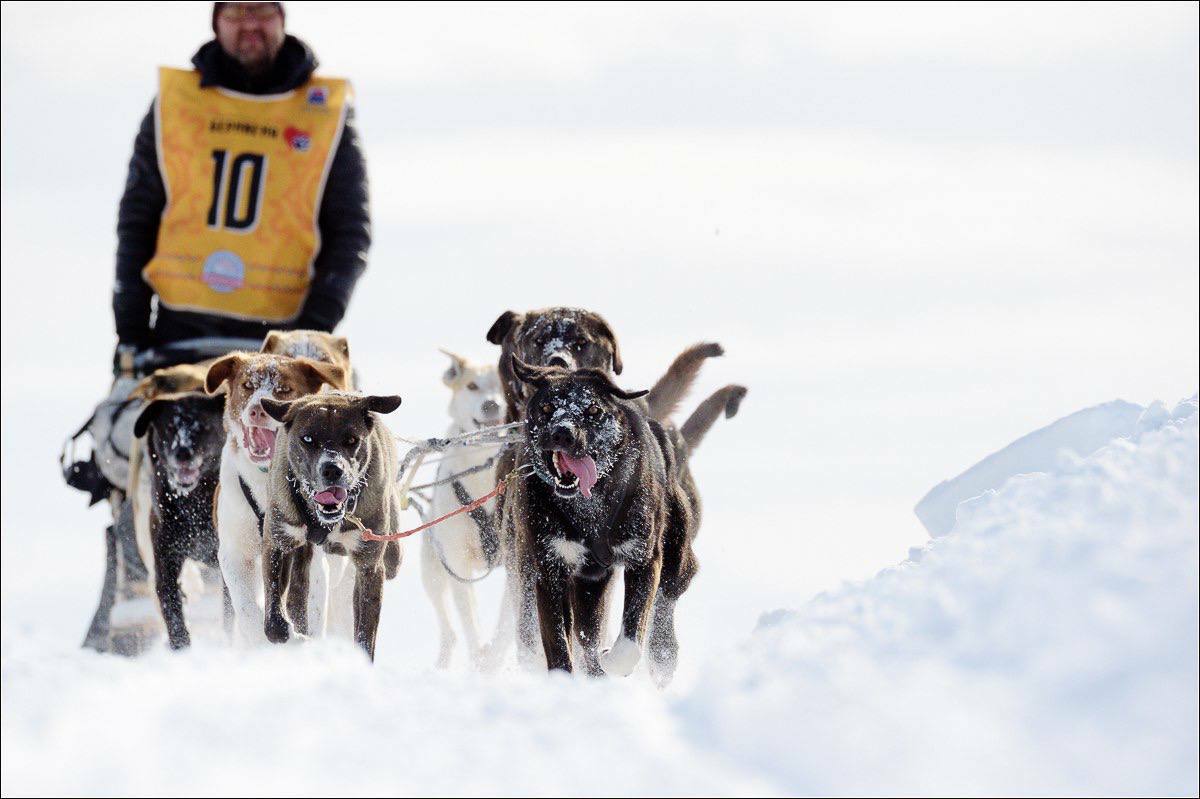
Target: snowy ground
{"x": 1048, "y": 644}
{"x": 921, "y": 232}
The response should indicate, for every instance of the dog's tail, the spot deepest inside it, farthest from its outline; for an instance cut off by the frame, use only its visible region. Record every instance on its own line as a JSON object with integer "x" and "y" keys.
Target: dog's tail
{"x": 664, "y": 398}
{"x": 725, "y": 400}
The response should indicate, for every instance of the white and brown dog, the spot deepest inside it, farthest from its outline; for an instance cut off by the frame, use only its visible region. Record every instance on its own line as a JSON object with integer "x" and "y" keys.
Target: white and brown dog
{"x": 464, "y": 549}
{"x": 243, "y": 490}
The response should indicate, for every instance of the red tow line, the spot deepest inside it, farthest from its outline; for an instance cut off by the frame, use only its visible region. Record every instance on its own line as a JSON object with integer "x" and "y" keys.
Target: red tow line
{"x": 368, "y": 535}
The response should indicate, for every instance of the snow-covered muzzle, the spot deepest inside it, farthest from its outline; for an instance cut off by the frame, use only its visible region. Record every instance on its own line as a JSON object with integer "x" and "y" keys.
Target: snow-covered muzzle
{"x": 186, "y": 443}
{"x": 573, "y": 436}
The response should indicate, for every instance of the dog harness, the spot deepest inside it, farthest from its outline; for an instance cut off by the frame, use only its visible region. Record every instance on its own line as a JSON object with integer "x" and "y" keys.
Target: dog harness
{"x": 258, "y": 513}
{"x": 244, "y": 178}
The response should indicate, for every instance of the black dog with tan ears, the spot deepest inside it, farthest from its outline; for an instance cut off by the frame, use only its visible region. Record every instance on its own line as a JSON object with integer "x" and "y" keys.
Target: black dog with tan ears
{"x": 604, "y": 493}
{"x": 333, "y": 472}
{"x": 184, "y": 438}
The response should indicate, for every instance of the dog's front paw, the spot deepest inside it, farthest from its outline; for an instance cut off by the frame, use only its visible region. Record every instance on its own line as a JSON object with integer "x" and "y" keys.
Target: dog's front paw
{"x": 622, "y": 659}
{"x": 276, "y": 629}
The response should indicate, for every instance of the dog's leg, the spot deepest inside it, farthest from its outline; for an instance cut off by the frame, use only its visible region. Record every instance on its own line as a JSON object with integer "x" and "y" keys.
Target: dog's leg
{"x": 274, "y": 572}
{"x": 226, "y": 611}
{"x": 679, "y": 566}
{"x": 318, "y": 592}
{"x": 97, "y": 637}
{"x": 238, "y": 555}
{"x": 167, "y": 566}
{"x": 464, "y": 600}
{"x": 554, "y": 616}
{"x": 663, "y": 645}
{"x": 641, "y": 585}
{"x": 435, "y": 580}
{"x": 368, "y": 601}
{"x": 241, "y": 574}
{"x": 587, "y": 601}
{"x": 296, "y": 580}
{"x": 529, "y": 654}
{"x": 506, "y": 627}
{"x": 340, "y": 622}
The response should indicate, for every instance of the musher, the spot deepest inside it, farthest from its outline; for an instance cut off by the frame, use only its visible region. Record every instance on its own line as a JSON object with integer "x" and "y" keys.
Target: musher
{"x": 245, "y": 210}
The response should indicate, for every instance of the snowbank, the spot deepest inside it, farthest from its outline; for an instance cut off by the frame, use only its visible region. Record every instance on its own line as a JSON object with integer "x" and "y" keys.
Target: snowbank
{"x": 1048, "y": 644}
{"x": 1081, "y": 433}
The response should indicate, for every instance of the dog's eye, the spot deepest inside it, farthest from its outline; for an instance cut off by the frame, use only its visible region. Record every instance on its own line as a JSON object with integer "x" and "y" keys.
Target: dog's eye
{"x": 283, "y": 391}
{"x": 593, "y": 410}
{"x": 547, "y": 408}
{"x": 248, "y": 386}
{"x": 577, "y": 345}
{"x": 306, "y": 439}
{"x": 351, "y": 441}
{"x": 472, "y": 386}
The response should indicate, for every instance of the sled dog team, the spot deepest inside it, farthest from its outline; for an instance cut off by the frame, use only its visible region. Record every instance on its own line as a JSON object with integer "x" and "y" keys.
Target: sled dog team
{"x": 268, "y": 467}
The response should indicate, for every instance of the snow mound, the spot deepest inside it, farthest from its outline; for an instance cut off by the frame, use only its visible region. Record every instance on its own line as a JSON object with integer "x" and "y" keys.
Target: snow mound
{"x": 1047, "y": 645}
{"x": 1079, "y": 434}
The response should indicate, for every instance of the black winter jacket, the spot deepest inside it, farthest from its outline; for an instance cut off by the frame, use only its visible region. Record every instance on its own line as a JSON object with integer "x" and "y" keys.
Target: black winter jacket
{"x": 344, "y": 218}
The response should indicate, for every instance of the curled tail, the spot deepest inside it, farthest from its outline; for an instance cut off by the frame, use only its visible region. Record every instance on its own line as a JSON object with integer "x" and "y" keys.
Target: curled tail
{"x": 664, "y": 397}
{"x": 725, "y": 400}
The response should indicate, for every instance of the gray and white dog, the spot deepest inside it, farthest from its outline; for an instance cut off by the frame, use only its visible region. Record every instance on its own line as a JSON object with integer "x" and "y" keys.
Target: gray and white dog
{"x": 333, "y": 470}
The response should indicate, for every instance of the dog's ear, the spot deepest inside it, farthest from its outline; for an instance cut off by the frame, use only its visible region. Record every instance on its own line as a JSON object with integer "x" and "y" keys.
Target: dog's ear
{"x": 501, "y": 327}
{"x": 458, "y": 365}
{"x": 606, "y": 331}
{"x": 318, "y": 372}
{"x": 279, "y": 410}
{"x": 148, "y": 415}
{"x": 605, "y": 383}
{"x": 382, "y": 404}
{"x": 221, "y": 370}
{"x": 273, "y": 343}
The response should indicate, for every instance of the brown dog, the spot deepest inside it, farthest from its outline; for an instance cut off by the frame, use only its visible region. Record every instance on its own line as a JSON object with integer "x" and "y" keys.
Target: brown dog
{"x": 334, "y": 461}
{"x": 572, "y": 338}
{"x": 243, "y": 491}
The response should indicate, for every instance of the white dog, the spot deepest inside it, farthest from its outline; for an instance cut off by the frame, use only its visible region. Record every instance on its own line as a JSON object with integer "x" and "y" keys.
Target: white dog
{"x": 243, "y": 491}
{"x": 463, "y": 549}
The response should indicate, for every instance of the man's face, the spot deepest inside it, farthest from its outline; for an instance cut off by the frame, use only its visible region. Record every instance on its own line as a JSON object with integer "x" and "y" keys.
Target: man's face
{"x": 250, "y": 33}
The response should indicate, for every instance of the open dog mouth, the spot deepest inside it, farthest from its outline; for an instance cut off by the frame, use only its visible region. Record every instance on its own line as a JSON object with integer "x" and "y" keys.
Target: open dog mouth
{"x": 259, "y": 442}
{"x": 572, "y": 473}
{"x": 185, "y": 478}
{"x": 330, "y": 504}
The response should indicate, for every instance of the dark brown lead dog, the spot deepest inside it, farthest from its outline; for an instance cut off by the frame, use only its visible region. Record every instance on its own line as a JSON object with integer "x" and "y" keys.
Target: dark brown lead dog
{"x": 574, "y": 338}
{"x": 604, "y": 493}
{"x": 333, "y": 458}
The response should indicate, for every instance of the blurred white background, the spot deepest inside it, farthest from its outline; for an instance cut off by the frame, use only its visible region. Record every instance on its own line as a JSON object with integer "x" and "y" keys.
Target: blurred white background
{"x": 919, "y": 230}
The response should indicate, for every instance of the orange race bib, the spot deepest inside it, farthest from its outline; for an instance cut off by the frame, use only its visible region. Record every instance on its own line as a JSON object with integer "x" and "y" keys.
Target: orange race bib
{"x": 244, "y": 176}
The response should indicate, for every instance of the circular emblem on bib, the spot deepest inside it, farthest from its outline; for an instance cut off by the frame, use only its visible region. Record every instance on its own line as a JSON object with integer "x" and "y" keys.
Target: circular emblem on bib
{"x": 224, "y": 271}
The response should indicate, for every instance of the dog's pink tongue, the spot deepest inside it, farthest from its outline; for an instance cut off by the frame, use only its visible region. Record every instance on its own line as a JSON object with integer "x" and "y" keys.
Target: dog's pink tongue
{"x": 330, "y": 496}
{"x": 584, "y": 468}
